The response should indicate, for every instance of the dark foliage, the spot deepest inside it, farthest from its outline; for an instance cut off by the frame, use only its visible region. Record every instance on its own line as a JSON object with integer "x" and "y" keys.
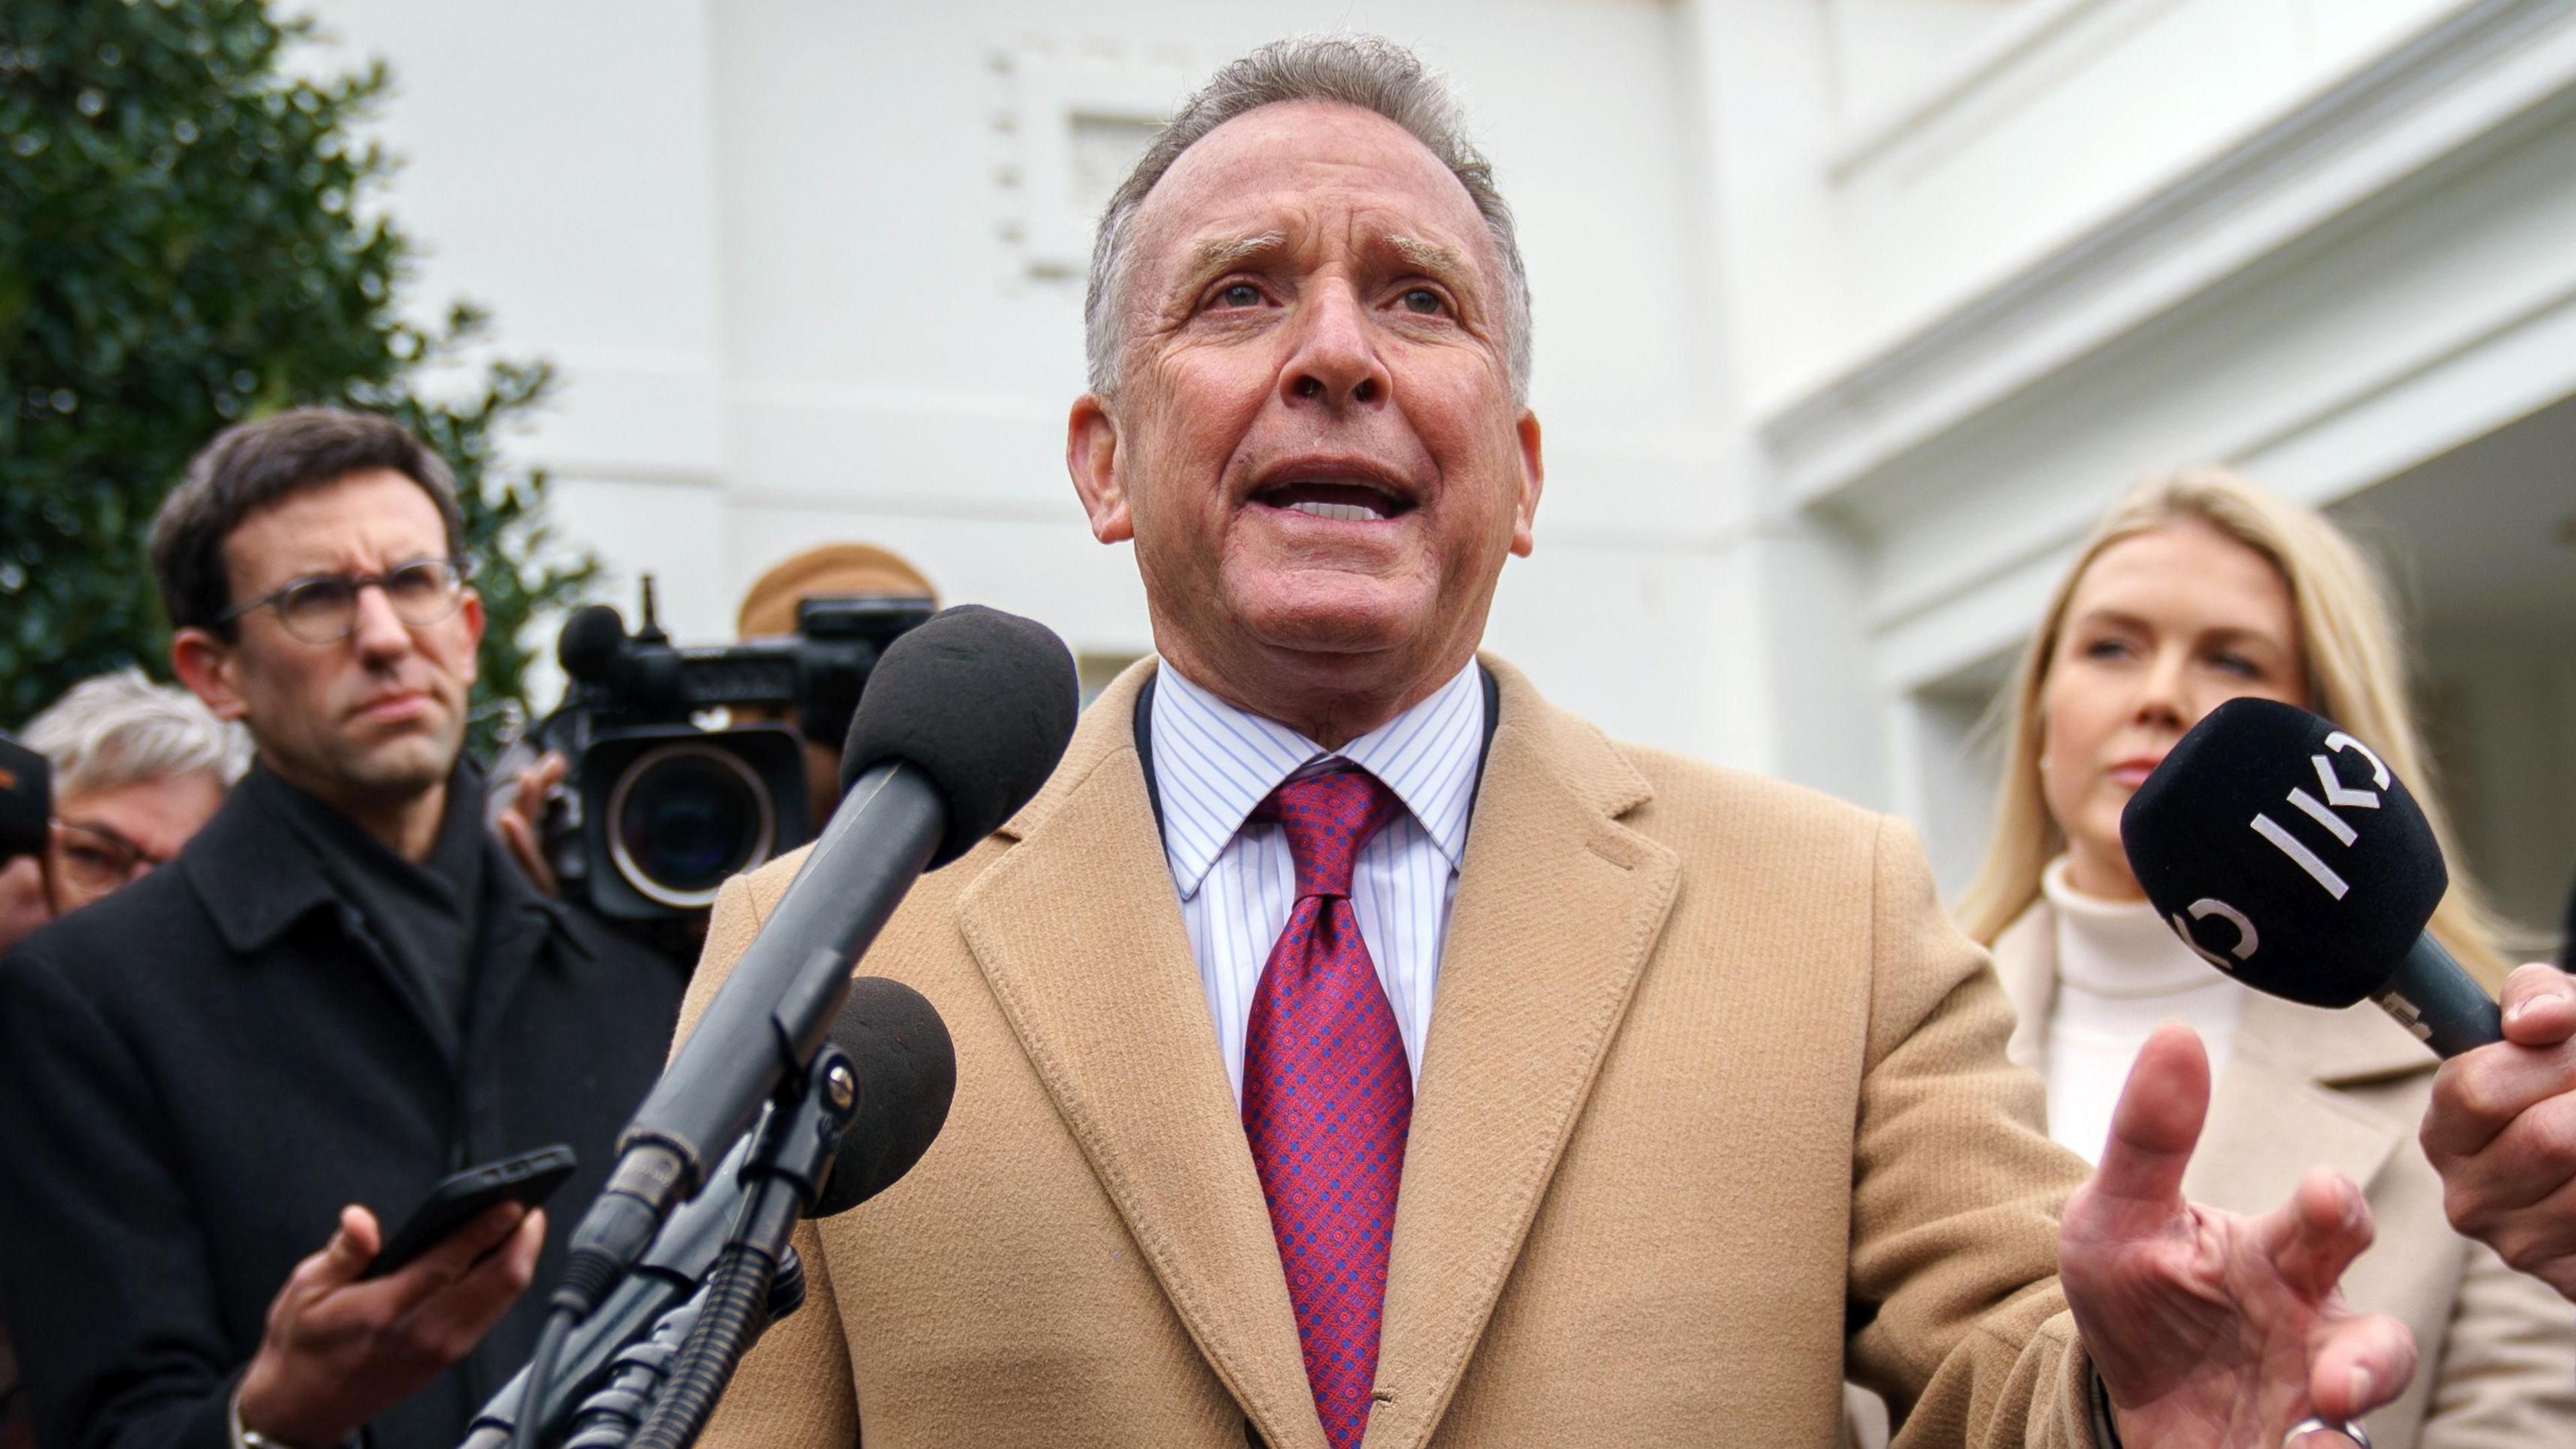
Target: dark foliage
{"x": 187, "y": 239}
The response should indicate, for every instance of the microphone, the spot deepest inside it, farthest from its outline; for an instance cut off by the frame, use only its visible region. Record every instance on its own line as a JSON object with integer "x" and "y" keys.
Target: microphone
{"x": 907, "y": 1072}
{"x": 962, "y": 720}
{"x": 2288, "y": 855}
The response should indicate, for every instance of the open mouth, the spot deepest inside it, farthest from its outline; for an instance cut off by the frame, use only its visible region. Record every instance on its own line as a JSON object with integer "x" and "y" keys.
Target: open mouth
{"x": 1342, "y": 500}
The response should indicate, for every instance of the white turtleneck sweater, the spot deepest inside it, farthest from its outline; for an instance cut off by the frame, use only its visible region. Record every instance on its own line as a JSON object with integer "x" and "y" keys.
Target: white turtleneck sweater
{"x": 2120, "y": 973}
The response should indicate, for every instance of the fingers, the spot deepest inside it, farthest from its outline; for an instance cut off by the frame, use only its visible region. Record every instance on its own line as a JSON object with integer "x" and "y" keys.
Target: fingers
{"x": 518, "y": 825}
{"x": 2316, "y": 1235}
{"x": 450, "y": 1259}
{"x": 537, "y": 779}
{"x": 353, "y": 1245}
{"x": 2539, "y": 1004}
{"x": 521, "y": 839}
{"x": 2359, "y": 1365}
{"x": 449, "y": 1322}
{"x": 2157, "y": 1122}
{"x": 2478, "y": 1094}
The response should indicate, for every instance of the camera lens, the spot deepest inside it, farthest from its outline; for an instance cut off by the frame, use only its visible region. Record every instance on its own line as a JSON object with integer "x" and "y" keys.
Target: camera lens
{"x": 685, "y": 817}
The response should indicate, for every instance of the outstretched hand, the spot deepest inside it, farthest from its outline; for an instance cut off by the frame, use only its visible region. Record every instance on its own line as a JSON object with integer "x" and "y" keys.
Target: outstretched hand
{"x": 2210, "y": 1328}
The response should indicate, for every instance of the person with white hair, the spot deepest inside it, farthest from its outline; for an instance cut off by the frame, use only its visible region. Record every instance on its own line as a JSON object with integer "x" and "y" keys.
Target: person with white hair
{"x": 137, "y": 767}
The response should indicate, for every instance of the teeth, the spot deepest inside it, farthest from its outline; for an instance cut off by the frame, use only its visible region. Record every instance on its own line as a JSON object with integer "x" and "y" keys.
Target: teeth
{"x": 1346, "y": 512}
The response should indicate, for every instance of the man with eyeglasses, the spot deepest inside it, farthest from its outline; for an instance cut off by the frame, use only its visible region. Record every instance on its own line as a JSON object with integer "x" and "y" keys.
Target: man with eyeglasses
{"x": 137, "y": 768}
{"x": 226, "y": 1083}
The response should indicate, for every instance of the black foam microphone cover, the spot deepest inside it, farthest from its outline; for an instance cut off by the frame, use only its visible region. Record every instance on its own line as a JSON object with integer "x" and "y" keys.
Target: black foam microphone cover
{"x": 907, "y": 1070}
{"x": 588, "y": 645}
{"x": 980, "y": 701}
{"x": 2285, "y": 852}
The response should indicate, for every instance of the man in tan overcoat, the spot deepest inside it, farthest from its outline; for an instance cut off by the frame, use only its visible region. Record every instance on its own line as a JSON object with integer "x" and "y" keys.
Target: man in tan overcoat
{"x": 1353, "y": 1045}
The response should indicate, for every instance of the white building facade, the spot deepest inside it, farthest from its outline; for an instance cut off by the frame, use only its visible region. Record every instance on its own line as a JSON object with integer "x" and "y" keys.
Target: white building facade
{"x": 1851, "y": 315}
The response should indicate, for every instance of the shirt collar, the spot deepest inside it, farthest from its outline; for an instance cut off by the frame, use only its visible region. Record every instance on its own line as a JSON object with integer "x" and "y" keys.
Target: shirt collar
{"x": 1213, "y": 763}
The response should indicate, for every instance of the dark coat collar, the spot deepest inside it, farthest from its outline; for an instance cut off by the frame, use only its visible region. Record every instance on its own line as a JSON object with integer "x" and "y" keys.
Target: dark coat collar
{"x": 258, "y": 876}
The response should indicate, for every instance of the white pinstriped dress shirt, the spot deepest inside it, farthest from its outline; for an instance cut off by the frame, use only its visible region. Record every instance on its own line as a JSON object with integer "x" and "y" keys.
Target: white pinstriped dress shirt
{"x": 1213, "y": 763}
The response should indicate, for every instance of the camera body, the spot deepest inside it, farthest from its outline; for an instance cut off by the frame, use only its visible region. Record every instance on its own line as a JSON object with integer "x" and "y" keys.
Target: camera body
{"x": 26, "y": 801}
{"x": 670, "y": 790}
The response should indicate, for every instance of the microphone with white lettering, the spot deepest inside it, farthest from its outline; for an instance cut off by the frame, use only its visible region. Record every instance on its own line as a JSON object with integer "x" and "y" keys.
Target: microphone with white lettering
{"x": 2287, "y": 854}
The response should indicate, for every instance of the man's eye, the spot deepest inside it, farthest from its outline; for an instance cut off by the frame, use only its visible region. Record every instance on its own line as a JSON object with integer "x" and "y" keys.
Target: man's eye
{"x": 1239, "y": 294}
{"x": 1422, "y": 302}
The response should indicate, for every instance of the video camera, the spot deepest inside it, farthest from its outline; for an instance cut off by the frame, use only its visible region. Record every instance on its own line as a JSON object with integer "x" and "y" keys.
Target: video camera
{"x": 671, "y": 791}
{"x": 26, "y": 801}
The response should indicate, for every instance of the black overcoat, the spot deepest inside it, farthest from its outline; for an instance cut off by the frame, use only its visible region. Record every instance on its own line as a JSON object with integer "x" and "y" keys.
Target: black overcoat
{"x": 199, "y": 1071}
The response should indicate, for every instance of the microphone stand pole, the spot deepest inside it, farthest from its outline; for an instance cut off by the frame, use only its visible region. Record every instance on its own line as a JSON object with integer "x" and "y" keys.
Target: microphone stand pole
{"x": 784, "y": 1166}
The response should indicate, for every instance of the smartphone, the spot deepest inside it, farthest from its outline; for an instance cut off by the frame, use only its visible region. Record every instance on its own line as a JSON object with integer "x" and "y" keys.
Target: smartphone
{"x": 529, "y": 1179}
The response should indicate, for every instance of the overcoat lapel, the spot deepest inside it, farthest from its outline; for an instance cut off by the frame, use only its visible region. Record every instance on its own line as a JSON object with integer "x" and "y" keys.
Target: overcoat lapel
{"x": 2276, "y": 1112}
{"x": 2283, "y": 1115}
{"x": 1558, "y": 908}
{"x": 1079, "y": 933}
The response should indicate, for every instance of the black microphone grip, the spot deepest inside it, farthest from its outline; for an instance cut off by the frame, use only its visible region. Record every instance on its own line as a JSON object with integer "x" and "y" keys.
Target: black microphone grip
{"x": 2434, "y": 997}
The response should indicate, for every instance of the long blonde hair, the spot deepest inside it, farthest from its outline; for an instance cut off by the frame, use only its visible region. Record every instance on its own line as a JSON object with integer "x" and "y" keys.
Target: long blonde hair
{"x": 2356, "y": 676}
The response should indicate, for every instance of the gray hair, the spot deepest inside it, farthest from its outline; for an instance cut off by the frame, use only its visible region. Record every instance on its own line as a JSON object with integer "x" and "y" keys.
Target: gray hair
{"x": 122, "y": 729}
{"x": 1363, "y": 71}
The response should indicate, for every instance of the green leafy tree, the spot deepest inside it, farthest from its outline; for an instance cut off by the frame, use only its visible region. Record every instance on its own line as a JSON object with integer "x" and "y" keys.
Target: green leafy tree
{"x": 186, "y": 241}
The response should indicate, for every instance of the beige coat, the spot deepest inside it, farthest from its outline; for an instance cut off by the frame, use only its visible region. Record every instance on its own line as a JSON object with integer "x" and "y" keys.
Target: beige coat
{"x": 2346, "y": 1089}
{"x": 1713, "y": 1106}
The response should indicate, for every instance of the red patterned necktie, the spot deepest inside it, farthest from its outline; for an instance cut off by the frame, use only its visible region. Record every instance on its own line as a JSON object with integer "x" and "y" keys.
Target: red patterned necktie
{"x": 1327, "y": 1095}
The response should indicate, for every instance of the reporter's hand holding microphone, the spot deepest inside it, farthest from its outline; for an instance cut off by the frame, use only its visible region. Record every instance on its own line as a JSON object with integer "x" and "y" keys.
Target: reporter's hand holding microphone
{"x": 2502, "y": 1131}
{"x": 2314, "y": 886}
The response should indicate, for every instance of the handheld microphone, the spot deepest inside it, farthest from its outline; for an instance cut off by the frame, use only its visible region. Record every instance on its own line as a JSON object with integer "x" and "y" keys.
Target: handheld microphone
{"x": 907, "y": 1075}
{"x": 2286, "y": 853}
{"x": 961, "y": 722}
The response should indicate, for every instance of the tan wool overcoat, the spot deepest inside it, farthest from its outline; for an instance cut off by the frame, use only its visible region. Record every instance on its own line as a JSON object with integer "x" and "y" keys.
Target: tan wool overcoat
{"x": 2346, "y": 1089}
{"x": 1714, "y": 1109}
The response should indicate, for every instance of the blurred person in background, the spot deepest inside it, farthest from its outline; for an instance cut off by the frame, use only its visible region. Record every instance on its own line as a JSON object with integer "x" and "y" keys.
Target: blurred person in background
{"x": 2194, "y": 589}
{"x": 137, "y": 767}
{"x": 831, "y": 571}
{"x": 338, "y": 993}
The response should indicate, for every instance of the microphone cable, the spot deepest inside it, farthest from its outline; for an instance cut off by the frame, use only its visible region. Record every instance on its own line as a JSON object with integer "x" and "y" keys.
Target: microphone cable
{"x": 738, "y": 1296}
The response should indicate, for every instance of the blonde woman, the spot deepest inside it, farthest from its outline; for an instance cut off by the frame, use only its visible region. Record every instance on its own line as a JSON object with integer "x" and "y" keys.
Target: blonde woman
{"x": 2194, "y": 589}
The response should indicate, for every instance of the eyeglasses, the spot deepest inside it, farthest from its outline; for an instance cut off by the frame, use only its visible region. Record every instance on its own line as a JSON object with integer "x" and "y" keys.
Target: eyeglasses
{"x": 90, "y": 860}
{"x": 323, "y": 608}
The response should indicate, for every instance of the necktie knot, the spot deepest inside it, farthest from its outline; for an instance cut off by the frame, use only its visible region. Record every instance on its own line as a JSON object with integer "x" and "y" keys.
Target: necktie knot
{"x": 1328, "y": 816}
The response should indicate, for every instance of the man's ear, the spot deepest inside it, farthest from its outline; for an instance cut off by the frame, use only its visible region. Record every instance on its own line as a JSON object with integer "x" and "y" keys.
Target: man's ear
{"x": 469, "y": 609}
{"x": 210, "y": 667}
{"x": 1533, "y": 478}
{"x": 1091, "y": 456}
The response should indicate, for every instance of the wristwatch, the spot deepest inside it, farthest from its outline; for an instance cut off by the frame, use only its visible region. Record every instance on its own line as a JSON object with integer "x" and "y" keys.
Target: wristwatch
{"x": 245, "y": 1437}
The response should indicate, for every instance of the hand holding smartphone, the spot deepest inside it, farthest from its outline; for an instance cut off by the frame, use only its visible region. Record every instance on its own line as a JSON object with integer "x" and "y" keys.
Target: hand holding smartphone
{"x": 527, "y": 1179}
